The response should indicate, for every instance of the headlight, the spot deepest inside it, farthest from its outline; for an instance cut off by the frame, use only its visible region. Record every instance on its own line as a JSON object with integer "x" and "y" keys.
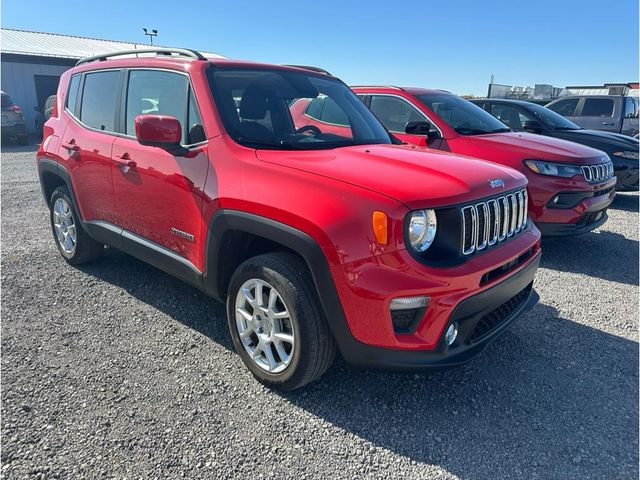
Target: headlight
{"x": 555, "y": 169}
{"x": 422, "y": 229}
{"x": 628, "y": 154}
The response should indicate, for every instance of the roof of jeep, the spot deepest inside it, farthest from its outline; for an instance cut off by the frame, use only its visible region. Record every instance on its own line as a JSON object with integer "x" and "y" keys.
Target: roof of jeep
{"x": 182, "y": 63}
{"x": 393, "y": 88}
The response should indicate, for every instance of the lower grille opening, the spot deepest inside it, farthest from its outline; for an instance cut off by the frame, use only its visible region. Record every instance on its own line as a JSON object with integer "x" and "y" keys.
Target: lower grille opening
{"x": 493, "y": 319}
{"x": 406, "y": 321}
{"x": 507, "y": 267}
{"x": 591, "y": 217}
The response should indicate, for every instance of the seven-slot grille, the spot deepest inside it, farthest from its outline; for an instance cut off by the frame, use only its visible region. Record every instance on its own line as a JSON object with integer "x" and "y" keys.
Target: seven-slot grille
{"x": 598, "y": 173}
{"x": 489, "y": 222}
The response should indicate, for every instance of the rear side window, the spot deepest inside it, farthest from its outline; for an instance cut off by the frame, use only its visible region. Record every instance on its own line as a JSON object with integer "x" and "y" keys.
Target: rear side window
{"x": 72, "y": 94}
{"x": 597, "y": 107}
{"x": 157, "y": 93}
{"x": 566, "y": 108}
{"x": 99, "y": 100}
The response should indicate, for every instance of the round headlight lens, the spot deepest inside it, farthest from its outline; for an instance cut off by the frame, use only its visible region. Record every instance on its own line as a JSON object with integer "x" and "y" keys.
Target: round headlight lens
{"x": 422, "y": 229}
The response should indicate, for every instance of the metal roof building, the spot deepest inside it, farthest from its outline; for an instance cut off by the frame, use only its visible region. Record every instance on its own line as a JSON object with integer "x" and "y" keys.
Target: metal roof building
{"x": 31, "y": 64}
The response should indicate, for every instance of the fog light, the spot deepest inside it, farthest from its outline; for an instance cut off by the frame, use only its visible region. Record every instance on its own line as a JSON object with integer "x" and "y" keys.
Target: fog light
{"x": 405, "y": 303}
{"x": 451, "y": 334}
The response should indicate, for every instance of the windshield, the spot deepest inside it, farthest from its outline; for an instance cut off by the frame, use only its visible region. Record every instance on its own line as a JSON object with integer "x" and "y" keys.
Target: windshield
{"x": 463, "y": 116}
{"x": 257, "y": 107}
{"x": 551, "y": 118}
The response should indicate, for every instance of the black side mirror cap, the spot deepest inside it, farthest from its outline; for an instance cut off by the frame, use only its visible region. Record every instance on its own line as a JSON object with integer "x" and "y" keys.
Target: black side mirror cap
{"x": 421, "y": 128}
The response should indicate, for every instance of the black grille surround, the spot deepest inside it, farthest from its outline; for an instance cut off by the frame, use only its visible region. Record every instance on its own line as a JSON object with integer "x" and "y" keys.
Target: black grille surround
{"x": 458, "y": 227}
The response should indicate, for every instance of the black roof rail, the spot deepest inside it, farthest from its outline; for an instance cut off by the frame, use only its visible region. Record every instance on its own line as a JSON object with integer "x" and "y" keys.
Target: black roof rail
{"x": 179, "y": 52}
{"x": 313, "y": 69}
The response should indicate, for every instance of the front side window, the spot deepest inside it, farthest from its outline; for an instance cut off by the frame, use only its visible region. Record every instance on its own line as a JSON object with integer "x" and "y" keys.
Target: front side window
{"x": 566, "y": 108}
{"x": 99, "y": 100}
{"x": 510, "y": 116}
{"x": 394, "y": 112}
{"x": 461, "y": 115}
{"x": 254, "y": 105}
{"x": 597, "y": 107}
{"x": 157, "y": 93}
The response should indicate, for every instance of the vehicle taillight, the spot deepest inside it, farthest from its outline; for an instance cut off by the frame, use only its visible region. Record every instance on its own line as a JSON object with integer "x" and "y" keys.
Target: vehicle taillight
{"x": 15, "y": 108}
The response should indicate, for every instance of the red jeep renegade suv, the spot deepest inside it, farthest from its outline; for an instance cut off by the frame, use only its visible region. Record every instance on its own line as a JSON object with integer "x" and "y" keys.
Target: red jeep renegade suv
{"x": 317, "y": 241}
{"x": 570, "y": 185}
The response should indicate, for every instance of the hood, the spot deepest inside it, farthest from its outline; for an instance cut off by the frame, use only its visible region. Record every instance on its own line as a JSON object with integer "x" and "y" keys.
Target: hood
{"x": 418, "y": 178}
{"x": 606, "y": 141}
{"x": 529, "y": 145}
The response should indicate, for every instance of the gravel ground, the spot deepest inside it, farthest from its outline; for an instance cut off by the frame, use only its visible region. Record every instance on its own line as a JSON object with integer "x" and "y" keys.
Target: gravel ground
{"x": 117, "y": 370}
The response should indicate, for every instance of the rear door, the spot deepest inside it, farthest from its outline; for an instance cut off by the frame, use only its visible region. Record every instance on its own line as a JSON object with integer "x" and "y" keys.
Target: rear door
{"x": 600, "y": 113}
{"x": 159, "y": 195}
{"x": 85, "y": 147}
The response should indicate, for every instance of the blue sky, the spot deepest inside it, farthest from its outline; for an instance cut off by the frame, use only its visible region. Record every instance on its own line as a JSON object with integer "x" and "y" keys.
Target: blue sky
{"x": 455, "y": 45}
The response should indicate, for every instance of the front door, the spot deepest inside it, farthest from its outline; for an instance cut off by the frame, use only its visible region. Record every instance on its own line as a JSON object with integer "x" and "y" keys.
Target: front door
{"x": 394, "y": 113}
{"x": 599, "y": 114}
{"x": 159, "y": 195}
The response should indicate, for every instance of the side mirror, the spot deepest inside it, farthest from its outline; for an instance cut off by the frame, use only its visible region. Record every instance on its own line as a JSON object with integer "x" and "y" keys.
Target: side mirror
{"x": 421, "y": 128}
{"x": 532, "y": 126}
{"x": 160, "y": 131}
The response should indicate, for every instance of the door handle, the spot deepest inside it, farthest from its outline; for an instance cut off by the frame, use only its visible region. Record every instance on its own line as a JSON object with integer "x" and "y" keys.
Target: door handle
{"x": 124, "y": 161}
{"x": 71, "y": 147}
{"x": 608, "y": 123}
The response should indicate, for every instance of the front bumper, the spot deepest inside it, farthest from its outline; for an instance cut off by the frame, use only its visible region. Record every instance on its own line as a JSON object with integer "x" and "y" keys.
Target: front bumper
{"x": 582, "y": 206}
{"x": 480, "y": 318}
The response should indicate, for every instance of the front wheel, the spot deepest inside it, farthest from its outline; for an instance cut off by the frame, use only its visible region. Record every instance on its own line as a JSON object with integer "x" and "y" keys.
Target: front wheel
{"x": 74, "y": 244}
{"x": 276, "y": 322}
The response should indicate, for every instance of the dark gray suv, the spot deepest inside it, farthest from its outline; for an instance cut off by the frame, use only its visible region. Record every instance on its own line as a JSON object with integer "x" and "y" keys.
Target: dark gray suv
{"x": 13, "y": 124}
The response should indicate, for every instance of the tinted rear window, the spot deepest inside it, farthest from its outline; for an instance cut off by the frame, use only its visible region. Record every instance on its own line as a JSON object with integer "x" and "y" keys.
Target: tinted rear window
{"x": 6, "y": 101}
{"x": 99, "y": 99}
{"x": 597, "y": 107}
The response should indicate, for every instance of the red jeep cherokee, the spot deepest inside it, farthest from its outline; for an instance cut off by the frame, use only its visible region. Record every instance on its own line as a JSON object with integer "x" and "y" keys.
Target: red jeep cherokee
{"x": 570, "y": 185}
{"x": 317, "y": 241}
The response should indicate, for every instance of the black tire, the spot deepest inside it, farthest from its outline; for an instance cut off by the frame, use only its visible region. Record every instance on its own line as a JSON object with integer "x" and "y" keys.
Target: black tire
{"x": 86, "y": 248}
{"x": 315, "y": 347}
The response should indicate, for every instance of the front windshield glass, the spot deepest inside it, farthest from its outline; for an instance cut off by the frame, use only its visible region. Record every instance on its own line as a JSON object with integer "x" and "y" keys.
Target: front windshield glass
{"x": 551, "y": 118}
{"x": 463, "y": 116}
{"x": 263, "y": 108}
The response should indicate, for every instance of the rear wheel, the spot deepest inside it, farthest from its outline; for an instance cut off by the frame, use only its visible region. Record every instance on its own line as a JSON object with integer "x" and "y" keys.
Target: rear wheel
{"x": 74, "y": 244}
{"x": 276, "y": 322}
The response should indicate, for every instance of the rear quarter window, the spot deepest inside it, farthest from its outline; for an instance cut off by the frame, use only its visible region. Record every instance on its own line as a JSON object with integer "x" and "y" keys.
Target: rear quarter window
{"x": 72, "y": 94}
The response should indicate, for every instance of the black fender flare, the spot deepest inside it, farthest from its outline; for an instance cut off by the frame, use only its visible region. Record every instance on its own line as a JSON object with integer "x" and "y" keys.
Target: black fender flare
{"x": 227, "y": 220}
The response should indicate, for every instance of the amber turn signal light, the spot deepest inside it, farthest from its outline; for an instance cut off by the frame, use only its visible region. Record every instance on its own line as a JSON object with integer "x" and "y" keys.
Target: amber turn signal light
{"x": 380, "y": 227}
